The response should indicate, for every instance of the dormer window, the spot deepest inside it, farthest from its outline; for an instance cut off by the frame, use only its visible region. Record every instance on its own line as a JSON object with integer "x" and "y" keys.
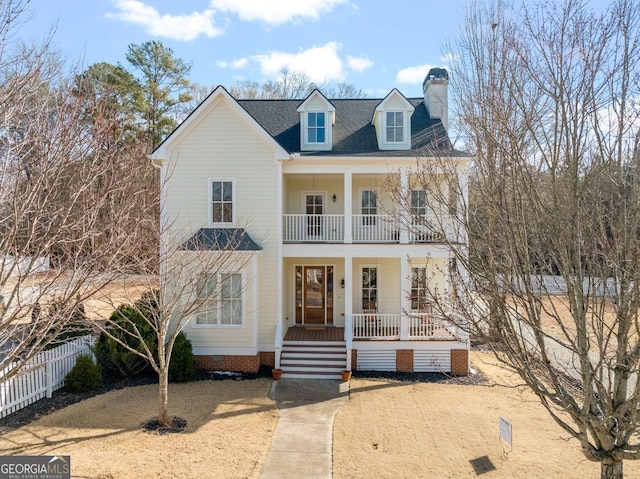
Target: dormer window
{"x": 316, "y": 132}
{"x": 317, "y": 116}
{"x": 392, "y": 120}
{"x": 395, "y": 127}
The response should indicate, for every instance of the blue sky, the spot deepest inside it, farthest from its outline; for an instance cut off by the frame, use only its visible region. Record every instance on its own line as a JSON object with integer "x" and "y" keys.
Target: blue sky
{"x": 374, "y": 44}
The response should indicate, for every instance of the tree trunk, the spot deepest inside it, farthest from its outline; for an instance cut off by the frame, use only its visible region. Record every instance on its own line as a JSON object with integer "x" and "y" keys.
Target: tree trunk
{"x": 163, "y": 399}
{"x": 611, "y": 470}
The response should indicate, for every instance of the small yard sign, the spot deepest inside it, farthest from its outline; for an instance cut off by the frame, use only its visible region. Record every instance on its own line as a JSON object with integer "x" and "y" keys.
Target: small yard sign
{"x": 505, "y": 430}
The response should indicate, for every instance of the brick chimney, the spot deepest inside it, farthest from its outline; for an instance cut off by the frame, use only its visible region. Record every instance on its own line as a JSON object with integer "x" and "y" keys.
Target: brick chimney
{"x": 436, "y": 95}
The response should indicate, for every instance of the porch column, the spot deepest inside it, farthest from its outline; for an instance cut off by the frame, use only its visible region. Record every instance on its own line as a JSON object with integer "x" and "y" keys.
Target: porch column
{"x": 348, "y": 306}
{"x": 405, "y": 298}
{"x": 348, "y": 234}
{"x": 404, "y": 215}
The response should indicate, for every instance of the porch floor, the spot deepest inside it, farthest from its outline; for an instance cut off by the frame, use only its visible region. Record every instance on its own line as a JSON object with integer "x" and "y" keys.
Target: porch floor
{"x": 314, "y": 333}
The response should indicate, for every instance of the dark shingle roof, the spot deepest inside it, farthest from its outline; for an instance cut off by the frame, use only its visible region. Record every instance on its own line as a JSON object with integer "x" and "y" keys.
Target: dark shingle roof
{"x": 220, "y": 239}
{"x": 353, "y": 133}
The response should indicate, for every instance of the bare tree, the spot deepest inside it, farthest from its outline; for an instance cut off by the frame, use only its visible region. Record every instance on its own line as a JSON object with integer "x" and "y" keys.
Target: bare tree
{"x": 57, "y": 176}
{"x": 547, "y": 96}
{"x": 291, "y": 85}
{"x": 201, "y": 280}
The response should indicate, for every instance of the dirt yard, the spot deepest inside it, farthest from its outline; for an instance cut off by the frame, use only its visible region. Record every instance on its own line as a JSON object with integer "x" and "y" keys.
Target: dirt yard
{"x": 389, "y": 429}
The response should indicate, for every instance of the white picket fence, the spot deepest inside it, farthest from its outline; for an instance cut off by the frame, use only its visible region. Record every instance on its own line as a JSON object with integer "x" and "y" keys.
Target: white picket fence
{"x": 41, "y": 375}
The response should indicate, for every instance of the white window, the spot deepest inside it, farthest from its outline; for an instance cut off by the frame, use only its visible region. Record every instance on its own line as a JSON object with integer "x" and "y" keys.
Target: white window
{"x": 231, "y": 299}
{"x": 419, "y": 301}
{"x": 222, "y": 201}
{"x": 369, "y": 288}
{"x": 418, "y": 205}
{"x": 369, "y": 207}
{"x": 394, "y": 127}
{"x": 207, "y": 301}
{"x": 316, "y": 132}
{"x": 221, "y": 301}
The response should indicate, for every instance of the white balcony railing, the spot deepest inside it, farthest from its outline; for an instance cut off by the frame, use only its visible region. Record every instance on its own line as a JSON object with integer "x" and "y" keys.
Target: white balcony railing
{"x": 313, "y": 228}
{"x": 364, "y": 229}
{"x": 375, "y": 229}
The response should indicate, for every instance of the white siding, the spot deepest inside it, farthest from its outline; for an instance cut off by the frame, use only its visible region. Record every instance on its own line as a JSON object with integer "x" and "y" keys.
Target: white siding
{"x": 223, "y": 145}
{"x": 378, "y": 360}
{"x": 437, "y": 361}
{"x": 329, "y": 184}
{"x": 389, "y": 294}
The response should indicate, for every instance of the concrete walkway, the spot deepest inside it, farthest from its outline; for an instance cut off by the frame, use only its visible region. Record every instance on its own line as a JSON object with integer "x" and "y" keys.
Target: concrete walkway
{"x": 303, "y": 441}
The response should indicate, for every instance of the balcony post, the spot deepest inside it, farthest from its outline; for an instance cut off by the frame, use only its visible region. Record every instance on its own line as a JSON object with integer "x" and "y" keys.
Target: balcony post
{"x": 348, "y": 208}
{"x": 404, "y": 215}
{"x": 405, "y": 299}
{"x": 348, "y": 302}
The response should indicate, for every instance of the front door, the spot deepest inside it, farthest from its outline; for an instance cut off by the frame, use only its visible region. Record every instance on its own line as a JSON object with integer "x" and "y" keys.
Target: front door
{"x": 314, "y": 294}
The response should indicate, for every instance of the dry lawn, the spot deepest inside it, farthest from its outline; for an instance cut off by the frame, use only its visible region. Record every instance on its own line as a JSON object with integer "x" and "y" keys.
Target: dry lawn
{"x": 230, "y": 424}
{"x": 389, "y": 429}
{"x": 426, "y": 430}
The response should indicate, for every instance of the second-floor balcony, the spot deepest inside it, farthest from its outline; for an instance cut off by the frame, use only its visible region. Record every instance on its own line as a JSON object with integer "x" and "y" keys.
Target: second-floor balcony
{"x": 307, "y": 228}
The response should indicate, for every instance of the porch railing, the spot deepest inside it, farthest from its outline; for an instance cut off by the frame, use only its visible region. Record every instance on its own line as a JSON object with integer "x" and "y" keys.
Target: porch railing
{"x": 375, "y": 229}
{"x": 376, "y": 326}
{"x": 429, "y": 326}
{"x": 313, "y": 228}
{"x": 392, "y": 326}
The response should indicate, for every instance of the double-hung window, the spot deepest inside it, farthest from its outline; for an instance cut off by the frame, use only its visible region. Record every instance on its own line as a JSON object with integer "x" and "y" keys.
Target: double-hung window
{"x": 395, "y": 127}
{"x": 369, "y": 207}
{"x": 418, "y": 205}
{"x": 369, "y": 289}
{"x": 222, "y": 208}
{"x": 316, "y": 132}
{"x": 220, "y": 300}
{"x": 419, "y": 290}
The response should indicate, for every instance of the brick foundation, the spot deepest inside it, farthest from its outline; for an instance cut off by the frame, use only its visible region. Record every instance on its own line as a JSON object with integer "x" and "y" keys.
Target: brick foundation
{"x": 245, "y": 364}
{"x": 268, "y": 358}
{"x": 404, "y": 360}
{"x": 354, "y": 359}
{"x": 459, "y": 362}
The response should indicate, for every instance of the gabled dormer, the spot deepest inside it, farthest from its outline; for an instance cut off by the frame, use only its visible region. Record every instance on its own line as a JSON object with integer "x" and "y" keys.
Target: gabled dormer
{"x": 392, "y": 120}
{"x": 317, "y": 117}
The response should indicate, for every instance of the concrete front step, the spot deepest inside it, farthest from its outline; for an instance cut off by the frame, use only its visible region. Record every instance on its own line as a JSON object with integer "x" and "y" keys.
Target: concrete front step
{"x": 308, "y": 375}
{"x": 313, "y": 359}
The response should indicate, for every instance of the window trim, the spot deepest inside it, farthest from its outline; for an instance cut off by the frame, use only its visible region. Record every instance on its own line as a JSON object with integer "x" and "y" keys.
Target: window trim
{"x": 234, "y": 202}
{"x": 218, "y": 302}
{"x": 378, "y": 288}
{"x": 403, "y": 115}
{"x": 308, "y": 127}
{"x": 426, "y": 287}
{"x": 412, "y": 211}
{"x": 369, "y": 221}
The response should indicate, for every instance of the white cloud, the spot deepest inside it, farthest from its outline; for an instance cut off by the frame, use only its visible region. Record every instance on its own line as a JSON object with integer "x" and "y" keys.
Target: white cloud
{"x": 413, "y": 74}
{"x": 276, "y": 12}
{"x": 320, "y": 64}
{"x": 179, "y": 27}
{"x": 358, "y": 64}
{"x": 450, "y": 58}
{"x": 236, "y": 64}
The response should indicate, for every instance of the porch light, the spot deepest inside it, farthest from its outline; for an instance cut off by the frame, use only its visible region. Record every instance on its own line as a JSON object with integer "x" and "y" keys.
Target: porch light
{"x": 334, "y": 197}
{"x": 342, "y": 283}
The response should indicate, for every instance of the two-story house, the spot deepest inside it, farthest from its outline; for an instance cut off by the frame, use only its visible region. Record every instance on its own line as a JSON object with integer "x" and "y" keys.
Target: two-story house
{"x": 336, "y": 280}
